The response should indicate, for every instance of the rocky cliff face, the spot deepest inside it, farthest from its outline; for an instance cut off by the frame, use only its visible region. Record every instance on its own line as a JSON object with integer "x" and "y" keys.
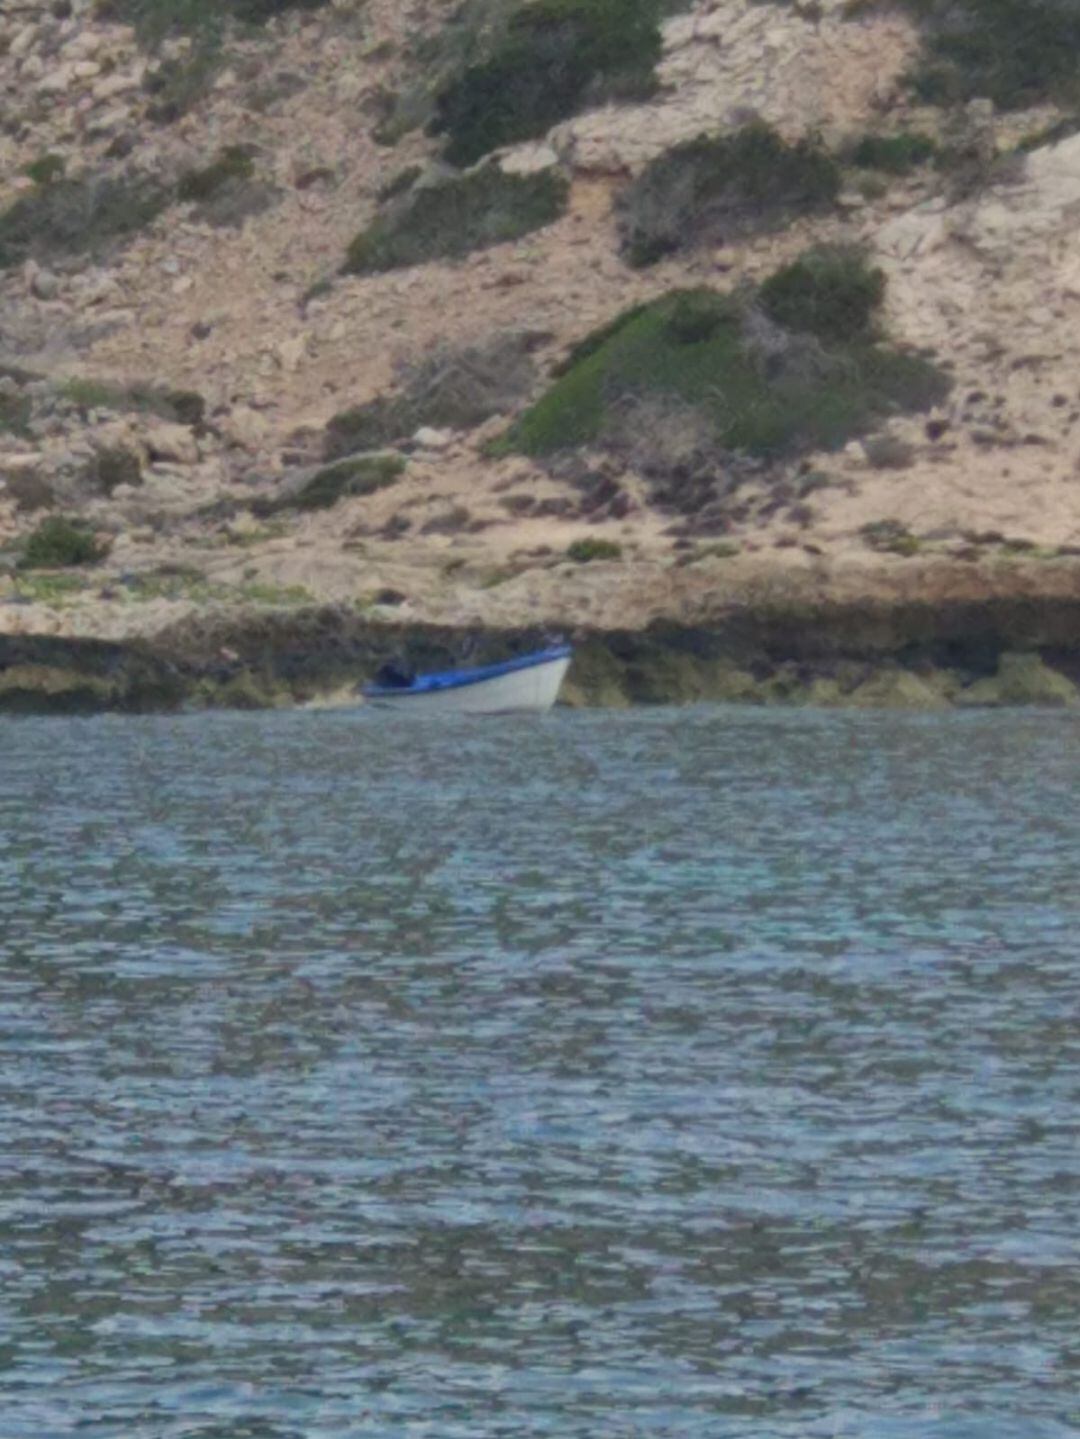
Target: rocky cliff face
{"x": 177, "y": 331}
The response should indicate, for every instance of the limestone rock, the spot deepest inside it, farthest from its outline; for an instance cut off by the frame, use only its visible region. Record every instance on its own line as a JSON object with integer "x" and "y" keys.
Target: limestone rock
{"x": 1017, "y": 219}
{"x": 171, "y": 443}
{"x": 42, "y": 284}
{"x": 431, "y": 439}
{"x": 918, "y": 232}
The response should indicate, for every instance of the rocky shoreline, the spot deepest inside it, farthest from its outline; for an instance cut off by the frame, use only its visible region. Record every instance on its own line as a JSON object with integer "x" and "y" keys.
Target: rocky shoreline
{"x": 912, "y": 654}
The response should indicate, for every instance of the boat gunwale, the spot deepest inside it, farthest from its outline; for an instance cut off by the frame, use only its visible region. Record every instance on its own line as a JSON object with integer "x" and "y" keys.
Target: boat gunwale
{"x": 440, "y": 681}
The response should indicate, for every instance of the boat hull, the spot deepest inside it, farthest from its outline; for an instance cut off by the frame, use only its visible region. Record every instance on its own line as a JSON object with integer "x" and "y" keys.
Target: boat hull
{"x": 525, "y": 691}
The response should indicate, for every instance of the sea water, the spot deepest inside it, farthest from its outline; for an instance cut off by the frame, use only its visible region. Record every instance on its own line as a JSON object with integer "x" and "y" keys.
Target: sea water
{"x": 664, "y": 1073}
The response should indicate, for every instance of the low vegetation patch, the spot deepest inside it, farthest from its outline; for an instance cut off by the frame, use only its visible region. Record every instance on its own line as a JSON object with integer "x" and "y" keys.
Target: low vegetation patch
{"x": 155, "y": 19}
{"x": 583, "y": 552}
{"x": 447, "y": 220}
{"x": 56, "y": 590}
{"x": 176, "y": 85}
{"x": 714, "y": 190}
{"x": 179, "y": 82}
{"x": 544, "y": 62}
{"x": 736, "y": 385}
{"x": 181, "y": 407}
{"x": 1014, "y": 52}
{"x": 890, "y": 537}
{"x": 61, "y": 543}
{"x": 831, "y": 292}
{"x": 87, "y": 216}
{"x": 360, "y": 475}
{"x": 454, "y": 387}
{"x": 233, "y": 163}
{"x": 112, "y": 466}
{"x": 45, "y": 169}
{"x": 894, "y": 154}
{"x": 226, "y": 192}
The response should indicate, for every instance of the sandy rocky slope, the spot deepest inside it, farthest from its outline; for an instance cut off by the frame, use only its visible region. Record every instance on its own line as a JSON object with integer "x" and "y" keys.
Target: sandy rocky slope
{"x": 255, "y": 316}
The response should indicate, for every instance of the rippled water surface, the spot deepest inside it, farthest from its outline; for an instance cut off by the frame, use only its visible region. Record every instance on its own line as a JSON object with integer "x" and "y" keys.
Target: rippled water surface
{"x": 666, "y": 1074}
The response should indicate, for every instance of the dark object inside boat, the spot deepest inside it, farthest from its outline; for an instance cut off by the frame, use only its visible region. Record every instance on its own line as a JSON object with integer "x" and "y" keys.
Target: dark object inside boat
{"x": 395, "y": 675}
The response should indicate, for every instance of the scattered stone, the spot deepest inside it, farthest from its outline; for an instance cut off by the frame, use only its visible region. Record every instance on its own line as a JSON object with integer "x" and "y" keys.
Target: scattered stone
{"x": 431, "y": 439}
{"x": 40, "y": 283}
{"x": 174, "y": 444}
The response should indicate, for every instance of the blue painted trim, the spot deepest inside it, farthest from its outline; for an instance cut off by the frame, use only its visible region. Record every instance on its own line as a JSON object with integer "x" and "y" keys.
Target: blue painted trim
{"x": 458, "y": 679}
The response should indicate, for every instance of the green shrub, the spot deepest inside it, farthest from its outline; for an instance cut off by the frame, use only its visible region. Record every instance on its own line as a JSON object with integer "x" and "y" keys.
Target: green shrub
{"x": 225, "y": 192}
{"x": 761, "y": 390}
{"x": 79, "y": 217}
{"x": 400, "y": 183}
{"x": 233, "y": 163}
{"x": 1014, "y": 52}
{"x": 469, "y": 212}
{"x": 60, "y": 543}
{"x": 361, "y": 475}
{"x": 181, "y": 407}
{"x": 831, "y": 292}
{"x": 718, "y": 189}
{"x": 177, "y": 85}
{"x": 696, "y": 315}
{"x": 114, "y": 465}
{"x": 550, "y": 58}
{"x": 890, "y": 537}
{"x": 895, "y": 154}
{"x": 154, "y": 19}
{"x": 45, "y": 169}
{"x": 597, "y": 339}
{"x": 583, "y": 552}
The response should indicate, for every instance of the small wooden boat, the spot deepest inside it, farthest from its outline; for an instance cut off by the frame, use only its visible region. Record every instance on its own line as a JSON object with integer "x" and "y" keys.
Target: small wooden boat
{"x": 529, "y": 684}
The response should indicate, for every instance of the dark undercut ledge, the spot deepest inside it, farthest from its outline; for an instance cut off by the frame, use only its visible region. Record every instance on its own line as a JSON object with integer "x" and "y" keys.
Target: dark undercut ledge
{"x": 912, "y": 654}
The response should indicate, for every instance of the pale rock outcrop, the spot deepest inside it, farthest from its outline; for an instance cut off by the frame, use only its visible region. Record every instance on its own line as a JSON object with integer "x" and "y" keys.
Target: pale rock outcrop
{"x": 727, "y": 61}
{"x": 1015, "y": 219}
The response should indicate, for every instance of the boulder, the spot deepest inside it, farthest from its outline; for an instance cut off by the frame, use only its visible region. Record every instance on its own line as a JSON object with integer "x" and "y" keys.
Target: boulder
{"x": 430, "y": 439}
{"x": 172, "y": 443}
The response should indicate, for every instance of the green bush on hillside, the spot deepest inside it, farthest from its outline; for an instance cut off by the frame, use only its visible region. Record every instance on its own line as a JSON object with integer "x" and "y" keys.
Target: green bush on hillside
{"x": 60, "y": 543}
{"x": 895, "y": 154}
{"x": 45, "y": 169}
{"x": 716, "y": 189}
{"x": 831, "y": 292}
{"x": 1015, "y": 52}
{"x": 361, "y": 475}
{"x": 765, "y": 391}
{"x": 447, "y": 220}
{"x": 112, "y": 466}
{"x": 79, "y": 217}
{"x": 233, "y": 163}
{"x": 548, "y": 60}
{"x": 225, "y": 192}
{"x": 181, "y": 407}
{"x": 584, "y": 552}
{"x": 154, "y": 19}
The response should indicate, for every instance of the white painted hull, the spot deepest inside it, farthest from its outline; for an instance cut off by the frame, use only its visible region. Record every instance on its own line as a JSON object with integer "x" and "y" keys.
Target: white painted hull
{"x": 527, "y": 691}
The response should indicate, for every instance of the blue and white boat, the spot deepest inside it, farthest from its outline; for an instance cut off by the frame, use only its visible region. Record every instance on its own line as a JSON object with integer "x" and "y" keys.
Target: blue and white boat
{"x": 529, "y": 684}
